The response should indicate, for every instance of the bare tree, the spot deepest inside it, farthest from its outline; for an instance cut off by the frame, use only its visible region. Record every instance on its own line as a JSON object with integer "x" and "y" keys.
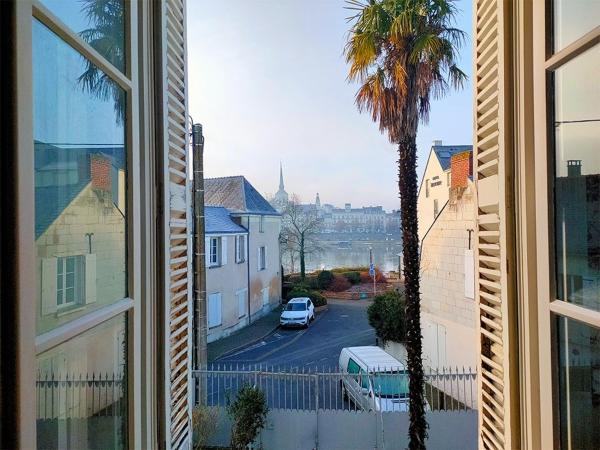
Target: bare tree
{"x": 300, "y": 226}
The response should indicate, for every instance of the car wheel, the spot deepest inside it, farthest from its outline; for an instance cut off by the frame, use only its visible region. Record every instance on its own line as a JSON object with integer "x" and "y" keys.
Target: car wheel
{"x": 312, "y": 317}
{"x": 307, "y": 321}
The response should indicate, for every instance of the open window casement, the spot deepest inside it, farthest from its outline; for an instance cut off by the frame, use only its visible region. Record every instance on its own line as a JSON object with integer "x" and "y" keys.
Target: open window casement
{"x": 224, "y": 250}
{"x": 90, "y": 278}
{"x": 49, "y": 282}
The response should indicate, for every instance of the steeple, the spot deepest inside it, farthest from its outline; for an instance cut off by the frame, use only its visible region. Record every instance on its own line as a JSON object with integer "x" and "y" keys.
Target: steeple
{"x": 281, "y": 186}
{"x": 318, "y": 201}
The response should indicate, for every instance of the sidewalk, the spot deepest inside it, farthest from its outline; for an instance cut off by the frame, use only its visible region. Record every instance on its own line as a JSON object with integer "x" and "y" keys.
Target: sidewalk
{"x": 248, "y": 335}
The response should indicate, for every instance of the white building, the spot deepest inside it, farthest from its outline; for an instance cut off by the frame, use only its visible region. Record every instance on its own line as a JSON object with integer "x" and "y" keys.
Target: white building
{"x": 251, "y": 211}
{"x": 447, "y": 264}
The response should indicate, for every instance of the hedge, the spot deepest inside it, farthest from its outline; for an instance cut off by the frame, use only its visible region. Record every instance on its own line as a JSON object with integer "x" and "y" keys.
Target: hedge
{"x": 316, "y": 297}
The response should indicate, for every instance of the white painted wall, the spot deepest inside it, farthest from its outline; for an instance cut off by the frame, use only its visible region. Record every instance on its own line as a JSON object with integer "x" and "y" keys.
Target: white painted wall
{"x": 447, "y": 281}
{"x": 439, "y": 193}
{"x": 227, "y": 279}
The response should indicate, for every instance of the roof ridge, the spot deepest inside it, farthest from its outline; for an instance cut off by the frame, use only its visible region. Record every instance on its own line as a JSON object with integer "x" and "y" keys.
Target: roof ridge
{"x": 227, "y": 176}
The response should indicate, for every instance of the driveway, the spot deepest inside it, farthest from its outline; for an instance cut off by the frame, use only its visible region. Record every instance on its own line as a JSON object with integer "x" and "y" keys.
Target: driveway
{"x": 343, "y": 324}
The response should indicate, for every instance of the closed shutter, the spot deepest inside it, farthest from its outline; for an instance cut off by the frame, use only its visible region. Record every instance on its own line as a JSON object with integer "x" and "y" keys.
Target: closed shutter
{"x": 241, "y": 297}
{"x": 90, "y": 278}
{"x": 214, "y": 310}
{"x": 48, "y": 286}
{"x": 224, "y": 240}
{"x": 497, "y": 380}
{"x": 178, "y": 228}
{"x": 265, "y": 257}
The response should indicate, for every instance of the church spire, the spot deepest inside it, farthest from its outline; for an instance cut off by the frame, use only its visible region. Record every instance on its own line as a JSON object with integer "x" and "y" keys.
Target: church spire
{"x": 281, "y": 186}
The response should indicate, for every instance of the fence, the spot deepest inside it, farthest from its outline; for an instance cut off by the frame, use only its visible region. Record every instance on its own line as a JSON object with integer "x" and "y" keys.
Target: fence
{"x": 329, "y": 389}
{"x": 64, "y": 396}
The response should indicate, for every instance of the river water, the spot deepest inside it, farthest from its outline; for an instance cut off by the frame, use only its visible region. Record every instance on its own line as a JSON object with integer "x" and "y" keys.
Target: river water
{"x": 356, "y": 253}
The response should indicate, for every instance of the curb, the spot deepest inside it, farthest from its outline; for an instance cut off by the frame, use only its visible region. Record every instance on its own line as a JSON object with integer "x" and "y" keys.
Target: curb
{"x": 246, "y": 344}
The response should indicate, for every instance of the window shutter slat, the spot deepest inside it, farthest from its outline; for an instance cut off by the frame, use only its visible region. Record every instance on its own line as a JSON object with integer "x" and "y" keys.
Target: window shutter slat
{"x": 49, "y": 285}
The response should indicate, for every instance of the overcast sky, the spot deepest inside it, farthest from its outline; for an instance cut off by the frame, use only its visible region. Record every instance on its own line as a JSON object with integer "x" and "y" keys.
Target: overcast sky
{"x": 267, "y": 79}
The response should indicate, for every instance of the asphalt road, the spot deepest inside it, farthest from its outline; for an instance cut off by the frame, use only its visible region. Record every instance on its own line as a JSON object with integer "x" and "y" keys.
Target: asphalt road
{"x": 291, "y": 358}
{"x": 343, "y": 324}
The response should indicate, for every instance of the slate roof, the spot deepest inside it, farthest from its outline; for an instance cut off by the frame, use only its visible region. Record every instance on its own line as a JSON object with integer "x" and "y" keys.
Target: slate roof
{"x": 444, "y": 153}
{"x": 52, "y": 200}
{"x": 218, "y": 221}
{"x": 237, "y": 195}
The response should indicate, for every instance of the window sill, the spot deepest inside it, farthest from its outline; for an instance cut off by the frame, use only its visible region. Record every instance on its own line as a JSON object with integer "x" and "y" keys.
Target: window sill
{"x": 215, "y": 267}
{"x": 70, "y": 309}
{"x": 240, "y": 262}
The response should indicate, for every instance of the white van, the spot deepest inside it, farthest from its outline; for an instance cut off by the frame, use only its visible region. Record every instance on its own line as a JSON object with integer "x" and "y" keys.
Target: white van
{"x": 373, "y": 379}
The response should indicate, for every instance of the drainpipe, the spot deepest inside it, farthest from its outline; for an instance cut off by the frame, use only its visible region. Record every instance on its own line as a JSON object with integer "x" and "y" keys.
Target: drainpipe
{"x": 199, "y": 357}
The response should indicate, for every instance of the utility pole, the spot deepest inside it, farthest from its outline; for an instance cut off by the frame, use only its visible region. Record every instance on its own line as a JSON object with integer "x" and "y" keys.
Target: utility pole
{"x": 200, "y": 356}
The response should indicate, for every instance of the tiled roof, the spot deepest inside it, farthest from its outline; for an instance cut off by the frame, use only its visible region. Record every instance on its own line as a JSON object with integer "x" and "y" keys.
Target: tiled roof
{"x": 218, "y": 220}
{"x": 444, "y": 153}
{"x": 237, "y": 195}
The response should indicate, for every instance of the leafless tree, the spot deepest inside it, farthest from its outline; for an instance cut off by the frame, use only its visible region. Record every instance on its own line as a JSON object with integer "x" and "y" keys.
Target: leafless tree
{"x": 300, "y": 226}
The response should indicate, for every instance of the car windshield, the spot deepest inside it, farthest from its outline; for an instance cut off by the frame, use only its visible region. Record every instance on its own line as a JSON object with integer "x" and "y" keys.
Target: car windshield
{"x": 296, "y": 307}
{"x": 390, "y": 384}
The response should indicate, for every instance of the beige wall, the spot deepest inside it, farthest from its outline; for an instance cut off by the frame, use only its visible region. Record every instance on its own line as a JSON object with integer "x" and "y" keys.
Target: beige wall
{"x": 447, "y": 283}
{"x": 440, "y": 192}
{"x": 270, "y": 278}
{"x": 228, "y": 279}
{"x": 90, "y": 212}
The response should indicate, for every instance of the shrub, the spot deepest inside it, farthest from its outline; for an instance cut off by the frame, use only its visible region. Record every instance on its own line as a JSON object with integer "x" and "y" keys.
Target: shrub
{"x": 249, "y": 414}
{"x": 316, "y": 297}
{"x": 353, "y": 277}
{"x": 204, "y": 423}
{"x": 339, "y": 284}
{"x": 341, "y": 270}
{"x": 324, "y": 279}
{"x": 387, "y": 315}
{"x": 379, "y": 277}
{"x": 365, "y": 277}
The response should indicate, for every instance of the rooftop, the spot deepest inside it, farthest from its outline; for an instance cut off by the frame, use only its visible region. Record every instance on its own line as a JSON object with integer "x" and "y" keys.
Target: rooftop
{"x": 237, "y": 195}
{"x": 444, "y": 153}
{"x": 218, "y": 221}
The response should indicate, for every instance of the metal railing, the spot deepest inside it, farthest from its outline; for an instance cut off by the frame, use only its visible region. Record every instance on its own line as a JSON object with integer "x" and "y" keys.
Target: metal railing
{"x": 449, "y": 389}
{"x": 70, "y": 396}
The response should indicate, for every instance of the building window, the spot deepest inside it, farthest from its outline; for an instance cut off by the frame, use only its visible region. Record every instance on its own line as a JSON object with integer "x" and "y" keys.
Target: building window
{"x": 242, "y": 297}
{"x": 427, "y": 188}
{"x": 70, "y": 281}
{"x": 215, "y": 252}
{"x": 435, "y": 208}
{"x": 214, "y": 310}
{"x": 240, "y": 249}
{"x": 262, "y": 258}
{"x": 261, "y": 224}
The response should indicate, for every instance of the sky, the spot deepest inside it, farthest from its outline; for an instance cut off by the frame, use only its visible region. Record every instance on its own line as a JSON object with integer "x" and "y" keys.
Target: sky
{"x": 267, "y": 80}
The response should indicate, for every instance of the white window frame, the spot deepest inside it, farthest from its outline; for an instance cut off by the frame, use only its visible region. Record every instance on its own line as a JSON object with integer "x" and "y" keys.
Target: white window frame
{"x": 78, "y": 281}
{"x": 262, "y": 258}
{"x": 261, "y": 224}
{"x": 240, "y": 248}
{"x": 215, "y": 246}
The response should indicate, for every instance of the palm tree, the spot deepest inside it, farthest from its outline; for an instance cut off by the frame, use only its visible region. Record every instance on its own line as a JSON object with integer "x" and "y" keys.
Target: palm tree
{"x": 107, "y": 36}
{"x": 403, "y": 53}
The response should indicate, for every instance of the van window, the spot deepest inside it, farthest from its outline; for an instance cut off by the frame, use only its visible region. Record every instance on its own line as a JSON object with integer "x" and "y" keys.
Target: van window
{"x": 364, "y": 379}
{"x": 353, "y": 367}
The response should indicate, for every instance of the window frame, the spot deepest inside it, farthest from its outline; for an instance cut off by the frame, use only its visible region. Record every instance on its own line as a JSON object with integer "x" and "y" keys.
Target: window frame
{"x": 545, "y": 63}
{"x": 217, "y": 254}
{"x": 262, "y": 258}
{"x": 30, "y": 345}
{"x": 78, "y": 281}
{"x": 240, "y": 250}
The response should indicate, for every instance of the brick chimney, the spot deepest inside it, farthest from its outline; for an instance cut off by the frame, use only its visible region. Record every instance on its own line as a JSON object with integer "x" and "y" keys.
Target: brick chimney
{"x": 100, "y": 172}
{"x": 461, "y": 168}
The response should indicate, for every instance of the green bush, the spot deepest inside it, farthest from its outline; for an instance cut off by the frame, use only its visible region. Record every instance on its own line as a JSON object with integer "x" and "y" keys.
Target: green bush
{"x": 249, "y": 415}
{"x": 352, "y": 276}
{"x": 325, "y": 278}
{"x": 316, "y": 297}
{"x": 387, "y": 316}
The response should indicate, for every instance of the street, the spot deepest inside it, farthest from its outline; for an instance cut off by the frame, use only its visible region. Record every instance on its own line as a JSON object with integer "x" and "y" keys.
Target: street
{"x": 343, "y": 324}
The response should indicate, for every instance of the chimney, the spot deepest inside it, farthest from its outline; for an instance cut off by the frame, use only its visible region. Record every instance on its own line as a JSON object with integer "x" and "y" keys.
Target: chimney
{"x": 100, "y": 172}
{"x": 437, "y": 142}
{"x": 574, "y": 167}
{"x": 461, "y": 168}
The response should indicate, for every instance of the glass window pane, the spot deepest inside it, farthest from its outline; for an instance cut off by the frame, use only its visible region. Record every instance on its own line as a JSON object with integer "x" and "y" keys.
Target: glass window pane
{"x": 578, "y": 384}
{"x": 577, "y": 183}
{"x": 101, "y": 23}
{"x": 573, "y": 19}
{"x": 79, "y": 137}
{"x": 81, "y": 390}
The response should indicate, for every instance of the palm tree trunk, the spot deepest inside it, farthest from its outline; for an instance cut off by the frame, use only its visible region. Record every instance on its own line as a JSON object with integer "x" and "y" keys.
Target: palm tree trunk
{"x": 407, "y": 183}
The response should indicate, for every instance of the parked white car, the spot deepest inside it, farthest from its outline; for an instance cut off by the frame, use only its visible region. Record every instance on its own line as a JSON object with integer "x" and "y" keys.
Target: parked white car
{"x": 373, "y": 379}
{"x": 298, "y": 312}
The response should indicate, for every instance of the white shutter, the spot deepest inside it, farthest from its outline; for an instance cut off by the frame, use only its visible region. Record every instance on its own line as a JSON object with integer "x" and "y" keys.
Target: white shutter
{"x": 207, "y": 250}
{"x": 214, "y": 310}
{"x": 178, "y": 227}
{"x": 265, "y": 252}
{"x": 258, "y": 257}
{"x": 90, "y": 278}
{"x": 241, "y": 297}
{"x": 224, "y": 240}
{"x": 49, "y": 286}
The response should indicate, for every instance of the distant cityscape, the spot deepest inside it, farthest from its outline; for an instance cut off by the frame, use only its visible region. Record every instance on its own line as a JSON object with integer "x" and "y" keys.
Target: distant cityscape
{"x": 346, "y": 223}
